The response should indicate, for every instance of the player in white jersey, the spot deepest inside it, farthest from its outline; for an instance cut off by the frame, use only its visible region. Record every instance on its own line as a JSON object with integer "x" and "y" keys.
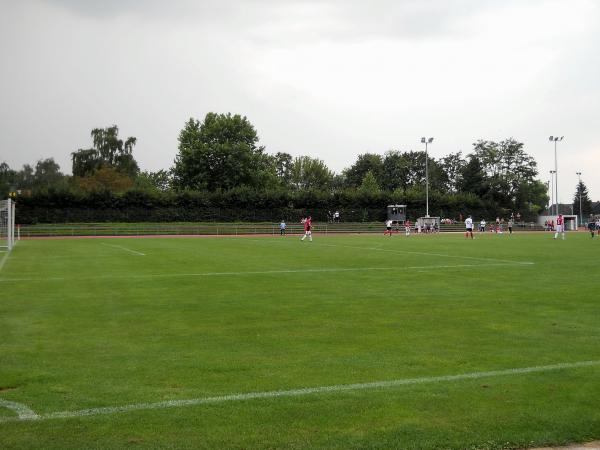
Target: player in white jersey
{"x": 469, "y": 227}
{"x": 560, "y": 226}
{"x": 482, "y": 226}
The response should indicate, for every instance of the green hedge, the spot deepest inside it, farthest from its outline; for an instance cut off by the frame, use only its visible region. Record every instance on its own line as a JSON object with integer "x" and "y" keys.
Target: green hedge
{"x": 241, "y": 205}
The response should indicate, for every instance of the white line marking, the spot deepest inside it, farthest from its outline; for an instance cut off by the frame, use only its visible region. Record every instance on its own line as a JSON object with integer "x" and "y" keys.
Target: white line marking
{"x": 298, "y": 392}
{"x": 23, "y": 412}
{"x": 428, "y": 254}
{"x": 3, "y": 260}
{"x": 124, "y": 248}
{"x": 261, "y": 272}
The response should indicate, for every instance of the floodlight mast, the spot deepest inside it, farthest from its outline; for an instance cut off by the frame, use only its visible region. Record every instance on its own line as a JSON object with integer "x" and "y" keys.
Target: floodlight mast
{"x": 579, "y": 189}
{"x": 551, "y": 191}
{"x": 556, "y": 139}
{"x": 426, "y": 142}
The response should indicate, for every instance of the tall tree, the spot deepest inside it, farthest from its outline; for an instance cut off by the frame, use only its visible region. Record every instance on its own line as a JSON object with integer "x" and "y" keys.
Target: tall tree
{"x": 587, "y": 205}
{"x": 508, "y": 168}
{"x": 473, "y": 178}
{"x": 47, "y": 173}
{"x": 108, "y": 151}
{"x": 364, "y": 163}
{"x": 283, "y": 167}
{"x": 310, "y": 173}
{"x": 451, "y": 166}
{"x": 369, "y": 183}
{"x": 222, "y": 152}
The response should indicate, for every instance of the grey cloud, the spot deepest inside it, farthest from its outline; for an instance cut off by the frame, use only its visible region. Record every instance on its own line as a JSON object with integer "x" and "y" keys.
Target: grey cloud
{"x": 296, "y": 20}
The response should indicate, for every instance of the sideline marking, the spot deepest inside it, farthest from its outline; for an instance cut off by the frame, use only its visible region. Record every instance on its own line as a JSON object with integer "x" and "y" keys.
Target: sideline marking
{"x": 295, "y": 392}
{"x": 23, "y": 412}
{"x": 262, "y": 272}
{"x": 123, "y": 248}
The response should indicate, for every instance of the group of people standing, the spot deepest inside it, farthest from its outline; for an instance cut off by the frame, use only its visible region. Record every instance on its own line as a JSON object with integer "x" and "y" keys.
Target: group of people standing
{"x": 499, "y": 228}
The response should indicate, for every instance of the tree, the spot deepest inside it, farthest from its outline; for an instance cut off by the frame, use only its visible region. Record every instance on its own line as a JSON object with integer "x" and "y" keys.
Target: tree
{"x": 310, "y": 173}
{"x": 47, "y": 174}
{"x": 369, "y": 184}
{"x": 104, "y": 179}
{"x": 395, "y": 171}
{"x": 283, "y": 167}
{"x": 221, "y": 153}
{"x": 452, "y": 166}
{"x": 108, "y": 151}
{"x": 364, "y": 163}
{"x": 7, "y": 179}
{"x": 508, "y": 168}
{"x": 587, "y": 205}
{"x": 159, "y": 180}
{"x": 472, "y": 178}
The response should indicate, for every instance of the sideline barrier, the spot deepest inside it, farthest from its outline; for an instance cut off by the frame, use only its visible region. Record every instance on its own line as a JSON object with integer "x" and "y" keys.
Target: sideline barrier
{"x": 217, "y": 229}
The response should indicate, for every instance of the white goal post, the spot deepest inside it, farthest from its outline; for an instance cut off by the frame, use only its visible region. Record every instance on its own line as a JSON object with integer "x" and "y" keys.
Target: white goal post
{"x": 7, "y": 224}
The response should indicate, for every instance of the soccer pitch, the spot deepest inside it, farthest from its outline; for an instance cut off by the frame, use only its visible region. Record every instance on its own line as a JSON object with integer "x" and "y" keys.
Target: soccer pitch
{"x": 345, "y": 342}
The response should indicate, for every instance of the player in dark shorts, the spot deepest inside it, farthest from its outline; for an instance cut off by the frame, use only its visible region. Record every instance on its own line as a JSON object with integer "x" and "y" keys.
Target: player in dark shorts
{"x": 592, "y": 226}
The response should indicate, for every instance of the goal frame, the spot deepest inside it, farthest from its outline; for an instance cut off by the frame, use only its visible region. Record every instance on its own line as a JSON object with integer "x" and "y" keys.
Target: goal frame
{"x": 7, "y": 224}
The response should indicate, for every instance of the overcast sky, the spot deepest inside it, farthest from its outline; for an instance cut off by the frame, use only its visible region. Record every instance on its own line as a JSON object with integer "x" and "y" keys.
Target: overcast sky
{"x": 330, "y": 79}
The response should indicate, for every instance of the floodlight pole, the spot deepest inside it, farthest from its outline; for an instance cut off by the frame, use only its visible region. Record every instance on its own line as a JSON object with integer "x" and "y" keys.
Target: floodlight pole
{"x": 556, "y": 139}
{"x": 579, "y": 189}
{"x": 552, "y": 172}
{"x": 426, "y": 142}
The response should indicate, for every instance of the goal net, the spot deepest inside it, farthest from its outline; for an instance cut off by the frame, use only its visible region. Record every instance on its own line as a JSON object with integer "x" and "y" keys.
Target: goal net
{"x": 7, "y": 224}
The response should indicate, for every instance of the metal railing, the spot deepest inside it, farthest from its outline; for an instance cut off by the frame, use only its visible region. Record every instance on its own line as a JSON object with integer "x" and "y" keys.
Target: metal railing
{"x": 215, "y": 229}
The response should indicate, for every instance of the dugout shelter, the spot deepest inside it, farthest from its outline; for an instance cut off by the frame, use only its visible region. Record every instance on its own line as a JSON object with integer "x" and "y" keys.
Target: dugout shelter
{"x": 429, "y": 223}
{"x": 396, "y": 213}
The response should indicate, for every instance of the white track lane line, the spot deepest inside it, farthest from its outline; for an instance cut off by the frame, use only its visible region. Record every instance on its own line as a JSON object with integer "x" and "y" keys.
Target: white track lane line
{"x": 261, "y": 272}
{"x": 124, "y": 248}
{"x": 297, "y": 392}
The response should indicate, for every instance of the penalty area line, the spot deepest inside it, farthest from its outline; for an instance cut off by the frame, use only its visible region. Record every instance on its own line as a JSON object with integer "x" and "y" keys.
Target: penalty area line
{"x": 124, "y": 248}
{"x": 296, "y": 392}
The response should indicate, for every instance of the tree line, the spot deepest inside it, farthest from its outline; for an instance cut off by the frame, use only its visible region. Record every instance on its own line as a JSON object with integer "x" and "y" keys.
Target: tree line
{"x": 221, "y": 162}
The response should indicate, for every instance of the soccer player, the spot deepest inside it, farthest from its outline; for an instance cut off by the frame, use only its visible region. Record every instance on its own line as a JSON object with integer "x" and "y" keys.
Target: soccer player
{"x": 407, "y": 227}
{"x": 388, "y": 227}
{"x": 592, "y": 225}
{"x": 482, "y": 226}
{"x": 307, "y": 229}
{"x": 510, "y": 225}
{"x": 469, "y": 226}
{"x": 560, "y": 227}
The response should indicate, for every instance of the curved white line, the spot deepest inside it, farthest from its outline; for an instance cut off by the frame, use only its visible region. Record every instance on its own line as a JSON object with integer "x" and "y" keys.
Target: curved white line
{"x": 22, "y": 411}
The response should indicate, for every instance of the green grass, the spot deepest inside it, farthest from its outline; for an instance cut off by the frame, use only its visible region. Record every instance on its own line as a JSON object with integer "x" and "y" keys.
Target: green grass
{"x": 87, "y": 324}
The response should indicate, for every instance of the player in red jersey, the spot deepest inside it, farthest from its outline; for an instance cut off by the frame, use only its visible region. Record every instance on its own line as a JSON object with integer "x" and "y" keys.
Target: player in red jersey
{"x": 560, "y": 226}
{"x": 307, "y": 229}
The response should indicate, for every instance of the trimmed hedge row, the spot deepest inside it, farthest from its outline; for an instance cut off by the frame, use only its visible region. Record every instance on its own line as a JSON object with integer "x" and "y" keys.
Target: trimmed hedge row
{"x": 240, "y": 205}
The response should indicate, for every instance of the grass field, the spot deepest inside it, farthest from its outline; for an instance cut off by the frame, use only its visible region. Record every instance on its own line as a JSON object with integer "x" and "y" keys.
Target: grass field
{"x": 208, "y": 343}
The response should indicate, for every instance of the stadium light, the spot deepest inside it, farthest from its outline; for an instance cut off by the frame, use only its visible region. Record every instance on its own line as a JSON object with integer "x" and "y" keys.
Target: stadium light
{"x": 579, "y": 189}
{"x": 552, "y": 172}
{"x": 426, "y": 142}
{"x": 556, "y": 139}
